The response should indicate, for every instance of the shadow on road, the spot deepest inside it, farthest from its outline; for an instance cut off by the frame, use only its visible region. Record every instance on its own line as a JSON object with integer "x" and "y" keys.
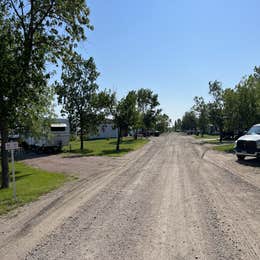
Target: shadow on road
{"x": 252, "y": 162}
{"x": 30, "y": 155}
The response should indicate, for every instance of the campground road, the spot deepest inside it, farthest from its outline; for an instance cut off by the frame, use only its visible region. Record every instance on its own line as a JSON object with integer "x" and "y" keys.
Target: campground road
{"x": 166, "y": 201}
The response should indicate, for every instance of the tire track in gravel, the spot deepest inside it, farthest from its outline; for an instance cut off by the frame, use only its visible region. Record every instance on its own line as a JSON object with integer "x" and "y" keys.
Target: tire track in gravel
{"x": 201, "y": 217}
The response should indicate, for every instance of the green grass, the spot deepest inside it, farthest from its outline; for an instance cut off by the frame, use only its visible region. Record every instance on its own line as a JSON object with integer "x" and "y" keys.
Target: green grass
{"x": 211, "y": 141}
{"x": 228, "y": 148}
{"x": 30, "y": 184}
{"x": 206, "y": 136}
{"x": 105, "y": 147}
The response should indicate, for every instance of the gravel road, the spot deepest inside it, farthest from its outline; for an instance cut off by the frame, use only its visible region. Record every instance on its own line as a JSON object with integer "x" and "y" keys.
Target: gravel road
{"x": 172, "y": 199}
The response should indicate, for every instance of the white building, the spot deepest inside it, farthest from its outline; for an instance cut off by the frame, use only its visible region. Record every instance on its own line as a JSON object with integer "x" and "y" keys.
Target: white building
{"x": 105, "y": 130}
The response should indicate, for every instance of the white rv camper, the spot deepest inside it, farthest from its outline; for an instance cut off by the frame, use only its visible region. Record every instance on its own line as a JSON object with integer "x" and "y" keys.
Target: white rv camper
{"x": 58, "y": 136}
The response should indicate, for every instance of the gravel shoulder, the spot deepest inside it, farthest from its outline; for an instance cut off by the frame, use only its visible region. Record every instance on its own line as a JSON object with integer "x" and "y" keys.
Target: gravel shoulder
{"x": 172, "y": 199}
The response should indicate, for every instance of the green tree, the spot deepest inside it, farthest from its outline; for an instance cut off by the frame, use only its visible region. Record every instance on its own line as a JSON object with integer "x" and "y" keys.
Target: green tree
{"x": 230, "y": 110}
{"x": 125, "y": 115}
{"x": 177, "y": 125}
{"x": 78, "y": 94}
{"x": 256, "y": 80}
{"x": 201, "y": 108}
{"x": 247, "y": 100}
{"x": 216, "y": 107}
{"x": 147, "y": 103}
{"x": 162, "y": 123}
{"x": 242, "y": 104}
{"x": 189, "y": 121}
{"x": 32, "y": 34}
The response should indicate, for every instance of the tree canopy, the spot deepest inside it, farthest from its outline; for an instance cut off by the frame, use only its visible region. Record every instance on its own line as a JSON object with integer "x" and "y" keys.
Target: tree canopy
{"x": 125, "y": 115}
{"x": 147, "y": 104}
{"x": 78, "y": 93}
{"x": 230, "y": 110}
{"x": 34, "y": 33}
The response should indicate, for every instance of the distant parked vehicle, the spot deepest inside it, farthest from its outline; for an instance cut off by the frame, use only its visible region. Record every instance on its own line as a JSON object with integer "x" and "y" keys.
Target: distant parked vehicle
{"x": 58, "y": 136}
{"x": 191, "y": 132}
{"x": 228, "y": 135}
{"x": 156, "y": 133}
{"x": 249, "y": 143}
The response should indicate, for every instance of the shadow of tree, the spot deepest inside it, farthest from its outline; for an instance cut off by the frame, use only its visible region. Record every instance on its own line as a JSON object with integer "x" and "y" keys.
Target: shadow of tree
{"x": 32, "y": 155}
{"x": 19, "y": 176}
{"x": 123, "y": 142}
{"x": 113, "y": 151}
{"x": 82, "y": 152}
{"x": 71, "y": 156}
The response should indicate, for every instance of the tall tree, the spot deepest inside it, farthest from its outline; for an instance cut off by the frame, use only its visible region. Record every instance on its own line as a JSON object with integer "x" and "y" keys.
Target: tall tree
{"x": 201, "y": 108}
{"x": 230, "y": 110}
{"x": 162, "y": 123}
{"x": 216, "y": 107}
{"x": 78, "y": 93}
{"x": 177, "y": 124}
{"x": 247, "y": 99}
{"x": 189, "y": 121}
{"x": 32, "y": 34}
{"x": 125, "y": 115}
{"x": 147, "y": 103}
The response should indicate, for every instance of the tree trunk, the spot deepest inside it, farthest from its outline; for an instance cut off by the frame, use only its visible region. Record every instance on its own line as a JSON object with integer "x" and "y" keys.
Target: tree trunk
{"x": 135, "y": 135}
{"x": 81, "y": 139}
{"x": 220, "y": 135}
{"x": 118, "y": 139}
{"x": 4, "y": 157}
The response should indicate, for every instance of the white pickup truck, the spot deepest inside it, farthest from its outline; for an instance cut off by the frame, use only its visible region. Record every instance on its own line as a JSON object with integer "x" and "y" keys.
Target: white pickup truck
{"x": 249, "y": 144}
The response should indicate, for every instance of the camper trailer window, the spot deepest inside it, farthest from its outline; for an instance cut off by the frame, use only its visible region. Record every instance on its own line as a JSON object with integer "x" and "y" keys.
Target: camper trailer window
{"x": 57, "y": 128}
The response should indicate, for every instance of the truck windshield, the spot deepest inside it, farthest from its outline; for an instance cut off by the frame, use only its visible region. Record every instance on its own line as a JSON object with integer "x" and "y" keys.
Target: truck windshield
{"x": 255, "y": 130}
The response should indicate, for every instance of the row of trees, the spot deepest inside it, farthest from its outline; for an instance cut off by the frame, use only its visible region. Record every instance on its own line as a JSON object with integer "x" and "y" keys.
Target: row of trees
{"x": 230, "y": 110}
{"x": 87, "y": 107}
{"x": 139, "y": 111}
{"x": 35, "y": 34}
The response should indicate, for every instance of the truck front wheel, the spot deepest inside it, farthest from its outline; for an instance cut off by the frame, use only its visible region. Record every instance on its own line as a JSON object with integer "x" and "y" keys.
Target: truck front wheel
{"x": 240, "y": 157}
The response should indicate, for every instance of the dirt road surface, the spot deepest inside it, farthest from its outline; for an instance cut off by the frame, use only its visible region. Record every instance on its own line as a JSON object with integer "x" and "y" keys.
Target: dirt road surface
{"x": 172, "y": 199}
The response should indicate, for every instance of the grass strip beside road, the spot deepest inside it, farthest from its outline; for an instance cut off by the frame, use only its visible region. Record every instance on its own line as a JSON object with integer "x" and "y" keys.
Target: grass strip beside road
{"x": 30, "y": 184}
{"x": 206, "y": 136}
{"x": 106, "y": 147}
{"x": 228, "y": 148}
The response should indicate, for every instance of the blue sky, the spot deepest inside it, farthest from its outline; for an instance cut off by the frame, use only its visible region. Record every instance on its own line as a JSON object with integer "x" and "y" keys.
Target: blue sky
{"x": 174, "y": 47}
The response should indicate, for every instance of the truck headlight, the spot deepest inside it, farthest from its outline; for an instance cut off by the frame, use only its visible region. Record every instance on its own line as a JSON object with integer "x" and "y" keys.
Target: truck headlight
{"x": 235, "y": 144}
